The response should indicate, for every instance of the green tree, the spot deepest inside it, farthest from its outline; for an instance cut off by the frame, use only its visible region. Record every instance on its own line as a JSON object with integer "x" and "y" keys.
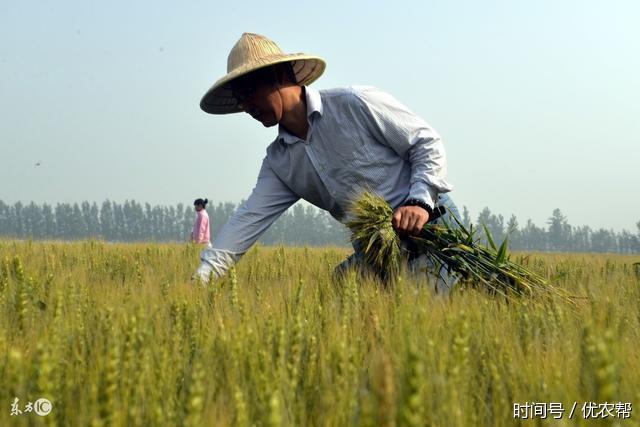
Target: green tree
{"x": 32, "y": 221}
{"x": 91, "y": 218}
{"x": 581, "y": 239}
{"x": 79, "y": 228}
{"x": 604, "y": 241}
{"x": 493, "y": 223}
{"x": 49, "y": 221}
{"x": 466, "y": 218}
{"x": 18, "y": 220}
{"x": 534, "y": 237}
{"x": 107, "y": 221}
{"x": 559, "y": 231}
{"x": 5, "y": 222}
{"x": 513, "y": 233}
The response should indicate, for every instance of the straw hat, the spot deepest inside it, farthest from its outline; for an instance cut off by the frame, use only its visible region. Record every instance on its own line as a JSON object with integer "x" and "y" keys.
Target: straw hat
{"x": 251, "y": 53}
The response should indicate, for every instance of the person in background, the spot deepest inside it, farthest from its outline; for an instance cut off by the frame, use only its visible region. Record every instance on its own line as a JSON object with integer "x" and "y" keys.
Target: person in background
{"x": 200, "y": 233}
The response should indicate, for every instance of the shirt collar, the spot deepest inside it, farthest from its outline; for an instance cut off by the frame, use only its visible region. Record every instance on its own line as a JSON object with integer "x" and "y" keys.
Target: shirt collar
{"x": 314, "y": 101}
{"x": 314, "y": 108}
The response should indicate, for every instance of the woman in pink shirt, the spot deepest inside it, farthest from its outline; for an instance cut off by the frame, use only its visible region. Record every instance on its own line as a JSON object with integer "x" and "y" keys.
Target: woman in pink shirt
{"x": 200, "y": 233}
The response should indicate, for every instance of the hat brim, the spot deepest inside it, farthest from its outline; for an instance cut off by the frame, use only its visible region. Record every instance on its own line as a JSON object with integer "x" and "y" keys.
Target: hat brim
{"x": 220, "y": 100}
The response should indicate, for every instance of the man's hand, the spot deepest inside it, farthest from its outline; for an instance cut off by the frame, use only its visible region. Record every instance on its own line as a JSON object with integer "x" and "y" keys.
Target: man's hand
{"x": 202, "y": 275}
{"x": 409, "y": 219}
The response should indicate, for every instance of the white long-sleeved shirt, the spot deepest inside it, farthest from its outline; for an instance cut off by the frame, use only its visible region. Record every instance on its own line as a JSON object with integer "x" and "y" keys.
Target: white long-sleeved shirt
{"x": 359, "y": 138}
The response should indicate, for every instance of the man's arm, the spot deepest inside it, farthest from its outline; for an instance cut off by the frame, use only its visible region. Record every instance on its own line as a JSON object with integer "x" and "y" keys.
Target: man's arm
{"x": 269, "y": 199}
{"x": 412, "y": 139}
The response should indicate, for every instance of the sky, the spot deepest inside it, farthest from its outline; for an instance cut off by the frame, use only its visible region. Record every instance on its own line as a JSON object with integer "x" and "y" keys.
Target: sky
{"x": 536, "y": 102}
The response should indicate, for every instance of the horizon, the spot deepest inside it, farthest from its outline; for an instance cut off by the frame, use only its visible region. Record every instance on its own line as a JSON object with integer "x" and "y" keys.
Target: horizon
{"x": 473, "y": 218}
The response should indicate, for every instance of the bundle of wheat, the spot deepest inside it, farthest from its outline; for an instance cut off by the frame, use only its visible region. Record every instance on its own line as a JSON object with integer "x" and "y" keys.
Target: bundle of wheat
{"x": 451, "y": 245}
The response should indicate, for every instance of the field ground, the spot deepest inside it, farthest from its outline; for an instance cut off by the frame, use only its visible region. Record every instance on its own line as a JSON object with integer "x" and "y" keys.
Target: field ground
{"x": 115, "y": 334}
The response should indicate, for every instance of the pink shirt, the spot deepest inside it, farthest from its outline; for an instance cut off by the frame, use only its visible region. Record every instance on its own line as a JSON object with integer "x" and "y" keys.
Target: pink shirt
{"x": 200, "y": 233}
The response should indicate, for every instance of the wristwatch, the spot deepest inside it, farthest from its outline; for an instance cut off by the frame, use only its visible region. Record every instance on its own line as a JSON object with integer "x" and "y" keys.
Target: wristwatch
{"x": 418, "y": 202}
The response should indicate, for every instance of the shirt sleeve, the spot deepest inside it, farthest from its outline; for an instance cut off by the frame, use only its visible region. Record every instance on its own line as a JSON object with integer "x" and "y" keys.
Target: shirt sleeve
{"x": 268, "y": 200}
{"x": 394, "y": 125}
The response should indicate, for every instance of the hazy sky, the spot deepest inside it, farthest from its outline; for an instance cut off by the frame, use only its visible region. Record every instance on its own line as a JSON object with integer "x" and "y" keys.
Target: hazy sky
{"x": 538, "y": 103}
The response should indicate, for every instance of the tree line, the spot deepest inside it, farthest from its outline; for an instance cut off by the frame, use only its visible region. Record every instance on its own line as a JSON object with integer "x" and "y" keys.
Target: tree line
{"x": 300, "y": 225}
{"x": 558, "y": 236}
{"x": 133, "y": 221}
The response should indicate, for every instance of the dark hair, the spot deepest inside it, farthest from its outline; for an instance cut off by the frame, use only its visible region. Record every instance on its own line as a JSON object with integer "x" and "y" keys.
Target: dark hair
{"x": 269, "y": 74}
{"x": 201, "y": 202}
{"x": 287, "y": 68}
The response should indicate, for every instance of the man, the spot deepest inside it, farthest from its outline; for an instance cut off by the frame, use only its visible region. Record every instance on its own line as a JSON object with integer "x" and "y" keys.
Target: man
{"x": 331, "y": 145}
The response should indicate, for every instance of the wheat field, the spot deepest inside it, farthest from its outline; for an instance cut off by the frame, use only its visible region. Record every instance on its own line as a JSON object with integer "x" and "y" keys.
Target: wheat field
{"x": 116, "y": 335}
